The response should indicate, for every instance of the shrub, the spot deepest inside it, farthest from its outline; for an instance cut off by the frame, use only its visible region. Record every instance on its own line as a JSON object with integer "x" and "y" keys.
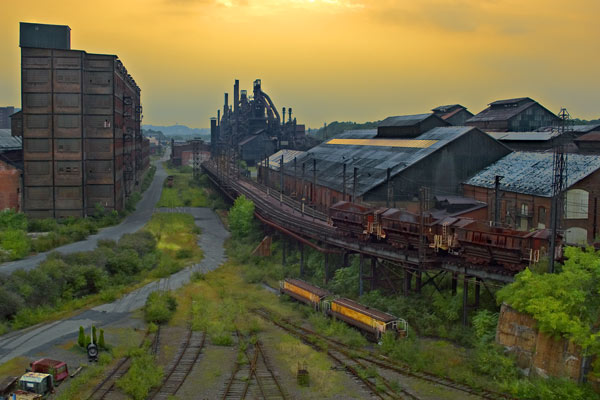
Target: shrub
{"x": 241, "y": 216}
{"x": 10, "y": 303}
{"x": 81, "y": 337}
{"x": 142, "y": 242}
{"x": 10, "y": 219}
{"x": 15, "y": 243}
{"x": 101, "y": 342}
{"x": 160, "y": 307}
{"x": 142, "y": 376}
{"x": 184, "y": 253}
{"x": 125, "y": 262}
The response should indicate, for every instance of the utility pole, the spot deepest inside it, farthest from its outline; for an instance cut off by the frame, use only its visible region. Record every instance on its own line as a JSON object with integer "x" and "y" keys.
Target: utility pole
{"x": 354, "y": 184}
{"x": 497, "y": 200}
{"x": 558, "y": 185}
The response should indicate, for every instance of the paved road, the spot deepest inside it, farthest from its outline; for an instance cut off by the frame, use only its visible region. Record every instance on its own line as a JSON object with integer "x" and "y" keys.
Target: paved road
{"x": 132, "y": 223}
{"x": 30, "y": 341}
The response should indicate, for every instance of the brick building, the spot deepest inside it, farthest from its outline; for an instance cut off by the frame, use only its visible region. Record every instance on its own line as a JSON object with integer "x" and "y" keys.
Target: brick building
{"x": 526, "y": 191}
{"x": 82, "y": 142}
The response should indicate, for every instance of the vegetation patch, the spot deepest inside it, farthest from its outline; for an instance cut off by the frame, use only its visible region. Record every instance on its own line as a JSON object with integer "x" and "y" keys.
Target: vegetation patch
{"x": 185, "y": 190}
{"x": 73, "y": 281}
{"x": 142, "y": 376}
{"x": 160, "y": 307}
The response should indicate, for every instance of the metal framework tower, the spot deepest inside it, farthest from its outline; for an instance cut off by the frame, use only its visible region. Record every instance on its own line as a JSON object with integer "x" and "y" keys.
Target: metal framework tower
{"x": 559, "y": 183}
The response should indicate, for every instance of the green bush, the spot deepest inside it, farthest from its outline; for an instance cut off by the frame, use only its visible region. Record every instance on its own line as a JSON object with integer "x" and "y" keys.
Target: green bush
{"x": 160, "y": 307}
{"x": 12, "y": 220}
{"x": 241, "y": 216}
{"x": 15, "y": 243}
{"x": 184, "y": 253}
{"x": 81, "y": 337}
{"x": 142, "y": 376}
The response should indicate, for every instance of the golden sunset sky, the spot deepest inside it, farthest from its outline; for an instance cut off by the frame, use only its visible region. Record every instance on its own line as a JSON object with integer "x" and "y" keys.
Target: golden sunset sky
{"x": 357, "y": 60}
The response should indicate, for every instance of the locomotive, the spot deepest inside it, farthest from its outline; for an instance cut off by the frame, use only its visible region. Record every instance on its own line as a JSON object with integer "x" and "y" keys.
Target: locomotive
{"x": 476, "y": 242}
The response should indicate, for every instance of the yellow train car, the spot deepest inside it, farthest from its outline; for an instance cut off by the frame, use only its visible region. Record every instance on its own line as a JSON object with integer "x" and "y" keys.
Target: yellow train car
{"x": 369, "y": 320}
{"x": 303, "y": 291}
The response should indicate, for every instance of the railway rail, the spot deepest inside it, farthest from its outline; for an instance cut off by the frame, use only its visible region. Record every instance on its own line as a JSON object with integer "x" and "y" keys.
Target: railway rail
{"x": 181, "y": 366}
{"x": 379, "y": 361}
{"x": 255, "y": 369}
{"x": 106, "y": 388}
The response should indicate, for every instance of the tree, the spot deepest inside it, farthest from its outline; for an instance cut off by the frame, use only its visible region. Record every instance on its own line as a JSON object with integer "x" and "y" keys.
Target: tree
{"x": 241, "y": 216}
{"x": 101, "y": 342}
{"x": 81, "y": 338}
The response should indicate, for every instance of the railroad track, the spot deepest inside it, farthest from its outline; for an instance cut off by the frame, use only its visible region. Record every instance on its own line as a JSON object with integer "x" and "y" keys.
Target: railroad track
{"x": 253, "y": 377}
{"x": 107, "y": 387}
{"x": 181, "y": 366}
{"x": 379, "y": 361}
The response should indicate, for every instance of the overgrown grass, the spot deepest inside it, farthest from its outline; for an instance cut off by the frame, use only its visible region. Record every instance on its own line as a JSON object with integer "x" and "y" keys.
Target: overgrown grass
{"x": 185, "y": 192}
{"x": 21, "y": 236}
{"x": 80, "y": 280}
{"x": 142, "y": 376}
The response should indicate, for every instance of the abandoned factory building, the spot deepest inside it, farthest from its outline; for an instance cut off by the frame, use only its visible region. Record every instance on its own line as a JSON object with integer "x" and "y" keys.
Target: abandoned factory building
{"x": 526, "y": 193}
{"x": 82, "y": 143}
{"x": 513, "y": 115}
{"x": 357, "y": 165}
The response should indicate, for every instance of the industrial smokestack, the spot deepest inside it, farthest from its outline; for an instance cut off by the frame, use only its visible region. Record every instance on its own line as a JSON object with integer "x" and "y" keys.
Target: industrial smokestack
{"x": 283, "y": 117}
{"x": 213, "y": 135}
{"x": 236, "y": 95}
{"x": 290, "y": 110}
{"x": 226, "y": 106}
{"x": 218, "y": 117}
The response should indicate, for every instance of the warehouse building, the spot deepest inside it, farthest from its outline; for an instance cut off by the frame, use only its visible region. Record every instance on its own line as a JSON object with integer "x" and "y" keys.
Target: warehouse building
{"x": 454, "y": 114}
{"x": 389, "y": 170}
{"x": 526, "y": 193}
{"x": 82, "y": 142}
{"x": 5, "y": 113}
{"x": 513, "y": 115}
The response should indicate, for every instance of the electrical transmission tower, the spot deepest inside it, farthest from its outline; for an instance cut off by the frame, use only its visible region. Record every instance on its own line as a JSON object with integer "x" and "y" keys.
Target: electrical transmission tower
{"x": 559, "y": 183}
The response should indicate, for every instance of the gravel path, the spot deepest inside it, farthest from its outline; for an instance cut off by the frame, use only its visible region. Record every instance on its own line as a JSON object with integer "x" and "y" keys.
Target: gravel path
{"x": 32, "y": 340}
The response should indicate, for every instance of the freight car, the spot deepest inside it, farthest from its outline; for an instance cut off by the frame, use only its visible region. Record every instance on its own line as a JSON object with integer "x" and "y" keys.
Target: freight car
{"x": 303, "y": 291}
{"x": 372, "y": 322}
{"x": 475, "y": 241}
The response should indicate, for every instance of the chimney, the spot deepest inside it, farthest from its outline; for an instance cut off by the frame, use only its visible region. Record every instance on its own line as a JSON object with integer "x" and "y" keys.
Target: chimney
{"x": 283, "y": 117}
{"x": 218, "y": 117}
{"x": 290, "y": 110}
{"x": 214, "y": 136}
{"x": 226, "y": 101}
{"x": 236, "y": 95}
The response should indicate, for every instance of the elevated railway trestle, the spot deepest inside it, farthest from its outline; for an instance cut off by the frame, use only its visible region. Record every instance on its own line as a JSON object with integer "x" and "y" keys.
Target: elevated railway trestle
{"x": 400, "y": 270}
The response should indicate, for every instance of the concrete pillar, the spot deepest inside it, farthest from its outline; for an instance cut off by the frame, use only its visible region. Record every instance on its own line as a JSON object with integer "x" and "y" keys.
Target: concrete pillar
{"x": 360, "y": 274}
{"x": 373, "y": 273}
{"x": 465, "y": 301}
{"x": 478, "y": 282}
{"x": 454, "y": 283}
{"x": 301, "y": 246}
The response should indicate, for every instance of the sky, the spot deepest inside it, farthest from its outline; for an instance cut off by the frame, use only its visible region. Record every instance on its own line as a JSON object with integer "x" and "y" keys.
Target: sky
{"x": 344, "y": 60}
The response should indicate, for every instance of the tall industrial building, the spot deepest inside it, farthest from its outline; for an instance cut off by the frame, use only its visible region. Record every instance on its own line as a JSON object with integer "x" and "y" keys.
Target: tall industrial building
{"x": 82, "y": 142}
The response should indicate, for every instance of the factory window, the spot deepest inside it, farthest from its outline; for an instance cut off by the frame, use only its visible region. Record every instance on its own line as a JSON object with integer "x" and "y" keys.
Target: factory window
{"x": 576, "y": 236}
{"x": 577, "y": 204}
{"x": 541, "y": 217}
{"x": 524, "y": 210}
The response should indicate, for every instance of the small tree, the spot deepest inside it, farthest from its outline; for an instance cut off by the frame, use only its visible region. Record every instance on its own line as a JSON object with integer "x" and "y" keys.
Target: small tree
{"x": 241, "y": 216}
{"x": 81, "y": 338}
{"x": 94, "y": 334}
{"x": 101, "y": 343}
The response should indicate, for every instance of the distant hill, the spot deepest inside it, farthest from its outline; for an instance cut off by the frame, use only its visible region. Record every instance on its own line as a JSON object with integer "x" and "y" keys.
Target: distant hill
{"x": 179, "y": 130}
{"x": 335, "y": 128}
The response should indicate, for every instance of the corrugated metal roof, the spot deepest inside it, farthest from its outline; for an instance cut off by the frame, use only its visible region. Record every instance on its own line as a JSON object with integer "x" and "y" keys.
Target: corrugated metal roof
{"x": 288, "y": 156}
{"x": 405, "y": 120}
{"x": 500, "y": 114}
{"x": 531, "y": 173}
{"x": 384, "y": 142}
{"x": 372, "y": 161}
{"x": 10, "y": 143}
{"x": 574, "y": 128}
{"x": 589, "y": 137}
{"x": 5, "y": 132}
{"x": 523, "y": 136}
{"x": 509, "y": 101}
{"x": 447, "y": 108}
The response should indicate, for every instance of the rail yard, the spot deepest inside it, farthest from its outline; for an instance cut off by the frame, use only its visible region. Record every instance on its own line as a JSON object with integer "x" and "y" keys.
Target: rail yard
{"x": 428, "y": 253}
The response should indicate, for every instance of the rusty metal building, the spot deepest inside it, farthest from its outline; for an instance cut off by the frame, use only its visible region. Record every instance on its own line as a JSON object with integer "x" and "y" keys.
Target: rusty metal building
{"x": 363, "y": 166}
{"x": 454, "y": 114}
{"x": 513, "y": 115}
{"x": 82, "y": 142}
